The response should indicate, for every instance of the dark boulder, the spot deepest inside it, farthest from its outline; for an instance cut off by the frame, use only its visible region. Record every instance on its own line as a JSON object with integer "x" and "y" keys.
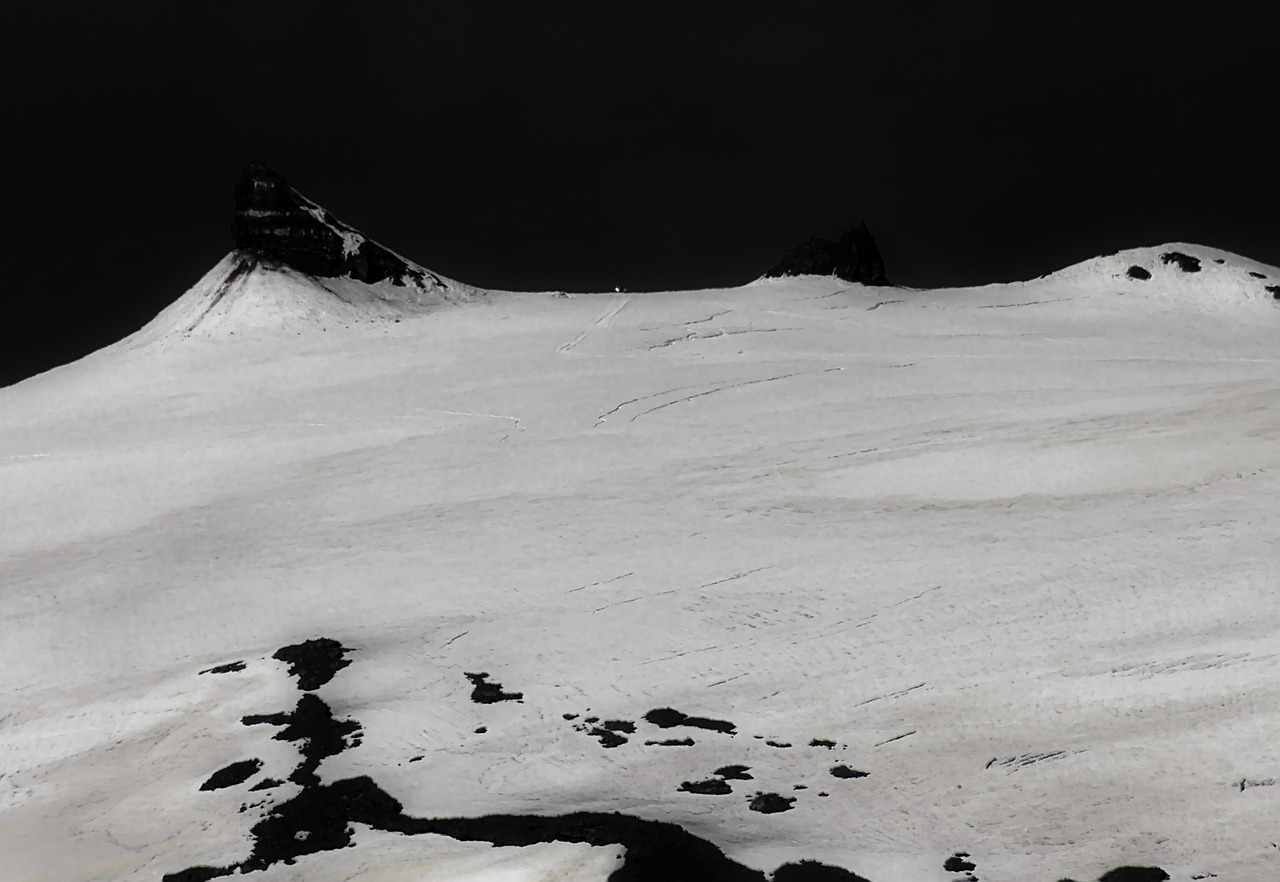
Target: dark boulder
{"x": 1137, "y": 272}
{"x": 274, "y": 221}
{"x": 853, "y": 257}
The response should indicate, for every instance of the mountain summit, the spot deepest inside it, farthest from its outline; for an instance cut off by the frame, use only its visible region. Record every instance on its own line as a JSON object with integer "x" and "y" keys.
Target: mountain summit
{"x": 276, "y": 222}
{"x": 295, "y": 265}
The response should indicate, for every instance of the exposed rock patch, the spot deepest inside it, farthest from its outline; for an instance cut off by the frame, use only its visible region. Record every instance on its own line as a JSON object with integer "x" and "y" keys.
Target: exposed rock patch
{"x": 812, "y": 871}
{"x": 734, "y": 773}
{"x": 846, "y": 772}
{"x": 1131, "y": 874}
{"x": 709, "y": 787}
{"x": 230, "y": 776}
{"x": 607, "y": 737}
{"x": 484, "y": 692}
{"x": 960, "y": 863}
{"x": 229, "y": 668}
{"x": 314, "y": 662}
{"x": 1185, "y": 262}
{"x": 718, "y": 785}
{"x": 1134, "y": 874}
{"x": 771, "y": 803}
{"x": 276, "y": 222}
{"x": 1137, "y": 272}
{"x": 610, "y": 731}
{"x": 668, "y": 718}
{"x": 311, "y": 723}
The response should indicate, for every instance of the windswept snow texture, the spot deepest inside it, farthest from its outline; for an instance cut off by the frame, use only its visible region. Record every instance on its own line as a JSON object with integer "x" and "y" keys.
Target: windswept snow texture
{"x": 1010, "y": 551}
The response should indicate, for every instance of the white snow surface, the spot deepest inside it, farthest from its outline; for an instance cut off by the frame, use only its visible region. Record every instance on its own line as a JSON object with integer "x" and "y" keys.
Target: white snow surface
{"x": 244, "y": 296}
{"x": 1013, "y": 548}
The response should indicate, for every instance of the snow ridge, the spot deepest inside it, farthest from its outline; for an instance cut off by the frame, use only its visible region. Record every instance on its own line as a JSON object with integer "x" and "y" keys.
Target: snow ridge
{"x": 1179, "y": 273}
{"x": 248, "y": 295}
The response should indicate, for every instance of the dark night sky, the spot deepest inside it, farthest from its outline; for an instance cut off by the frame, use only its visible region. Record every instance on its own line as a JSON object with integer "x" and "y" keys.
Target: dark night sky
{"x": 645, "y": 145}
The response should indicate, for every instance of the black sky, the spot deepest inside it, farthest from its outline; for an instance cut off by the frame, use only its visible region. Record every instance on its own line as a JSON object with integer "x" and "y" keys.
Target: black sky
{"x": 579, "y": 146}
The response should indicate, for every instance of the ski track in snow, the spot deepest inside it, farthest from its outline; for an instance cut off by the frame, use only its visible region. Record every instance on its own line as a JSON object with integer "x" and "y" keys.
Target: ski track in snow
{"x": 601, "y": 321}
{"x": 732, "y": 578}
{"x": 723, "y": 388}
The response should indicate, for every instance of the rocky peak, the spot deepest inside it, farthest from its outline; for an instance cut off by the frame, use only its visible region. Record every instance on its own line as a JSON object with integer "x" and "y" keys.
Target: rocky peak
{"x": 276, "y": 223}
{"x": 852, "y": 257}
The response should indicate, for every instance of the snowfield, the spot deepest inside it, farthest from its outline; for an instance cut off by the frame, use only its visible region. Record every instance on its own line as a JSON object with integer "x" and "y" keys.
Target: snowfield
{"x": 1010, "y": 551}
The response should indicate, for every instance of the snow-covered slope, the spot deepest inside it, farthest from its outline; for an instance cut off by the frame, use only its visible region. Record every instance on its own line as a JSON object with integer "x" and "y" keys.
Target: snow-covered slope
{"x": 246, "y": 295}
{"x": 1189, "y": 275}
{"x": 1009, "y": 551}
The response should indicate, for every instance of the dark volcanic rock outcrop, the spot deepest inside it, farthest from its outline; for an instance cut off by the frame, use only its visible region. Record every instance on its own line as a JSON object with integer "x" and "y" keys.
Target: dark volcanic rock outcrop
{"x": 276, "y": 222}
{"x": 1185, "y": 262}
{"x": 853, "y": 257}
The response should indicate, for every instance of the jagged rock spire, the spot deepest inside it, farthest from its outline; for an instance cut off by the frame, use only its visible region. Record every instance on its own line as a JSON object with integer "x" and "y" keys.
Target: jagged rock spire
{"x": 275, "y": 222}
{"x": 853, "y": 257}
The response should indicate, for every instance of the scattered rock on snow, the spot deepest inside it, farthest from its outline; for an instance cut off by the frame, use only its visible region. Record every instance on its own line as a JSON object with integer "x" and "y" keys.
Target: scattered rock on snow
{"x": 320, "y": 816}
